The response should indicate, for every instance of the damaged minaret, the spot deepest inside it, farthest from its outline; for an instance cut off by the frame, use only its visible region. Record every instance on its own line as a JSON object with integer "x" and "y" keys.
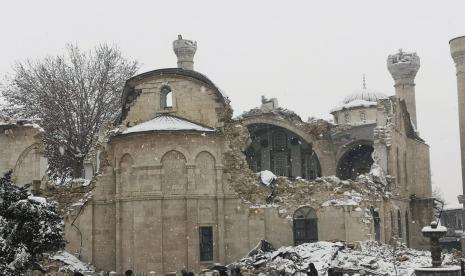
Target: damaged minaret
{"x": 185, "y": 51}
{"x": 457, "y": 50}
{"x": 403, "y": 68}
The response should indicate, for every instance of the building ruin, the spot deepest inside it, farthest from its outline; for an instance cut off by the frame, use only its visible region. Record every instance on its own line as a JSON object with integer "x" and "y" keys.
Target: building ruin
{"x": 179, "y": 181}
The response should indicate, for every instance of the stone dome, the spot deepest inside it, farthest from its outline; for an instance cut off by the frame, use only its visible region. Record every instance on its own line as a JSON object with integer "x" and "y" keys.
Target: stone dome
{"x": 364, "y": 95}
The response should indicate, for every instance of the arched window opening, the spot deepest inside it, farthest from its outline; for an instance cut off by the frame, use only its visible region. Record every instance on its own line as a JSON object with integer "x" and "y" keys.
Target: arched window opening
{"x": 399, "y": 224}
{"x": 166, "y": 99}
{"x": 282, "y": 152}
{"x": 305, "y": 224}
{"x": 356, "y": 161}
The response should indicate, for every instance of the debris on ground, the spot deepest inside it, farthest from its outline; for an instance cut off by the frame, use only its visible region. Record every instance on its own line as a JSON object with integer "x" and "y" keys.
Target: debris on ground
{"x": 373, "y": 257}
{"x": 62, "y": 263}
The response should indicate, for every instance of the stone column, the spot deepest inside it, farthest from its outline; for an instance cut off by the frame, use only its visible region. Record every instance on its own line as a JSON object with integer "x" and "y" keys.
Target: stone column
{"x": 403, "y": 68}
{"x": 457, "y": 49}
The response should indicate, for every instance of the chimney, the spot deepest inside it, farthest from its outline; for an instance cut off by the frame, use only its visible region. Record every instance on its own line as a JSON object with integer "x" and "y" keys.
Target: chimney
{"x": 185, "y": 51}
{"x": 403, "y": 68}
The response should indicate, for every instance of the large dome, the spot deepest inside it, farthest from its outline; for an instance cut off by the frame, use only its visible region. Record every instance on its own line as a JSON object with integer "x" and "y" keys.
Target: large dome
{"x": 364, "y": 95}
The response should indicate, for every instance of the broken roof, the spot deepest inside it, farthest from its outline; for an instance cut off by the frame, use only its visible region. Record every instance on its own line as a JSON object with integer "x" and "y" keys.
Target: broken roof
{"x": 167, "y": 122}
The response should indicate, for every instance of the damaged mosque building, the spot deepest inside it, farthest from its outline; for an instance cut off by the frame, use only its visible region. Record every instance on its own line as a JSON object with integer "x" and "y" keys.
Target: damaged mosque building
{"x": 180, "y": 183}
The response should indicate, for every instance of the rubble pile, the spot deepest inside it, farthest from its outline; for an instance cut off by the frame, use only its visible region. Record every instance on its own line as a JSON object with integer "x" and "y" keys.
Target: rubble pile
{"x": 282, "y": 113}
{"x": 241, "y": 179}
{"x": 287, "y": 194}
{"x": 61, "y": 263}
{"x": 372, "y": 257}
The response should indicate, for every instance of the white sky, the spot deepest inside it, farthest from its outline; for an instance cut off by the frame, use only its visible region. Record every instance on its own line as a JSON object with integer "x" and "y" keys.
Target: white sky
{"x": 308, "y": 54}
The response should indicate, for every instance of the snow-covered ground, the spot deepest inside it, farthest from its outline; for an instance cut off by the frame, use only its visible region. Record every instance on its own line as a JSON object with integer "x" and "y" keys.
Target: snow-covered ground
{"x": 371, "y": 256}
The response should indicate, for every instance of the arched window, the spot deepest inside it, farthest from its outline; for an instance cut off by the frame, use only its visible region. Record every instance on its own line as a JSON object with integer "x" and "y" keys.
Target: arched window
{"x": 279, "y": 141}
{"x": 166, "y": 97}
{"x": 305, "y": 226}
{"x": 399, "y": 224}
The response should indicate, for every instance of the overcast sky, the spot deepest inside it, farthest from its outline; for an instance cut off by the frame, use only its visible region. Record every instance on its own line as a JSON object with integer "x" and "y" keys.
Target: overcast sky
{"x": 308, "y": 54}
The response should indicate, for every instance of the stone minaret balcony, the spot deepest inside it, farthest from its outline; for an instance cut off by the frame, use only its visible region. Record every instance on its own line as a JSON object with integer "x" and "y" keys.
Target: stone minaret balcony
{"x": 185, "y": 51}
{"x": 403, "y": 68}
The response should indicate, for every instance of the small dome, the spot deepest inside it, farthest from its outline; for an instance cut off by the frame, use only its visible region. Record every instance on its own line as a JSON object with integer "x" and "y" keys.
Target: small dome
{"x": 364, "y": 95}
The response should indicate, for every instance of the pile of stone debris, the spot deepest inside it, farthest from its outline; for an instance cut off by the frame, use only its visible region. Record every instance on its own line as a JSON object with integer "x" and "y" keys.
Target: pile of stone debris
{"x": 363, "y": 258}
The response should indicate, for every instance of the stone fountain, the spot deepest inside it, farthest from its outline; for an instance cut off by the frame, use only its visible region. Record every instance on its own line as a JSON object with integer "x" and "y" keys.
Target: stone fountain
{"x": 434, "y": 233}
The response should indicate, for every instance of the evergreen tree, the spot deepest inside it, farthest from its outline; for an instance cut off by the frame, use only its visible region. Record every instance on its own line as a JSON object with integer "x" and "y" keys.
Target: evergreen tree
{"x": 29, "y": 226}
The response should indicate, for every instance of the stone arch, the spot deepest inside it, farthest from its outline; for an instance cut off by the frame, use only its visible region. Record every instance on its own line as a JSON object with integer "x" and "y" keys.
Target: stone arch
{"x": 178, "y": 148}
{"x": 174, "y": 172}
{"x": 205, "y": 172}
{"x": 354, "y": 159}
{"x": 305, "y": 225}
{"x": 207, "y": 149}
{"x": 19, "y": 176}
{"x": 125, "y": 165}
{"x": 279, "y": 158}
{"x": 284, "y": 124}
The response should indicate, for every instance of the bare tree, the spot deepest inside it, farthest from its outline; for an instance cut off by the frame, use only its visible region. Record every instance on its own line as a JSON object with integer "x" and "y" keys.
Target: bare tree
{"x": 73, "y": 95}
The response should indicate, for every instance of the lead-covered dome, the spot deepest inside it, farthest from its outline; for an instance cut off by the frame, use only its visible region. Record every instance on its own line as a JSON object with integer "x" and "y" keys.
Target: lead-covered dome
{"x": 364, "y": 95}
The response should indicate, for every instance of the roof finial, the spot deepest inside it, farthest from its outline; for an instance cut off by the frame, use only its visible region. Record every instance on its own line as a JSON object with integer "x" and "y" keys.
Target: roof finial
{"x": 364, "y": 82}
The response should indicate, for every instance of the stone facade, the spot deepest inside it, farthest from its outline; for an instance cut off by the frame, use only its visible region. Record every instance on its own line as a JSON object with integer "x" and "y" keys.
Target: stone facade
{"x": 183, "y": 195}
{"x": 22, "y": 151}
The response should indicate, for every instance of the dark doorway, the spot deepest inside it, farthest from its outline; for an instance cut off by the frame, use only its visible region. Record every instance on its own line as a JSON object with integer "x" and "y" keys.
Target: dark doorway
{"x": 305, "y": 226}
{"x": 376, "y": 223}
{"x": 356, "y": 161}
{"x": 407, "y": 229}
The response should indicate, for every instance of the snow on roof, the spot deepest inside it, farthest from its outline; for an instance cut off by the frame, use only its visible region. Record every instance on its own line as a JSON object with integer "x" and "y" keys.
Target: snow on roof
{"x": 361, "y": 98}
{"x": 366, "y": 95}
{"x": 354, "y": 104}
{"x": 167, "y": 123}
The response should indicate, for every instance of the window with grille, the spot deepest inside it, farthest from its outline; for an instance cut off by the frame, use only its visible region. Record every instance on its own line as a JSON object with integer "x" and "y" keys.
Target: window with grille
{"x": 206, "y": 243}
{"x": 279, "y": 141}
{"x": 305, "y": 226}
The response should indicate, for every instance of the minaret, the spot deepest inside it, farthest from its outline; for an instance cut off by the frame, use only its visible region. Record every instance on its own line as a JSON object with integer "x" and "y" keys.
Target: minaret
{"x": 403, "y": 68}
{"x": 185, "y": 51}
{"x": 457, "y": 50}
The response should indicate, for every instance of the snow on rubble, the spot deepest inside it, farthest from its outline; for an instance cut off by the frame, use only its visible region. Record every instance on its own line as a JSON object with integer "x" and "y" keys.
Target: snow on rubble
{"x": 288, "y": 194}
{"x": 71, "y": 263}
{"x": 372, "y": 257}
